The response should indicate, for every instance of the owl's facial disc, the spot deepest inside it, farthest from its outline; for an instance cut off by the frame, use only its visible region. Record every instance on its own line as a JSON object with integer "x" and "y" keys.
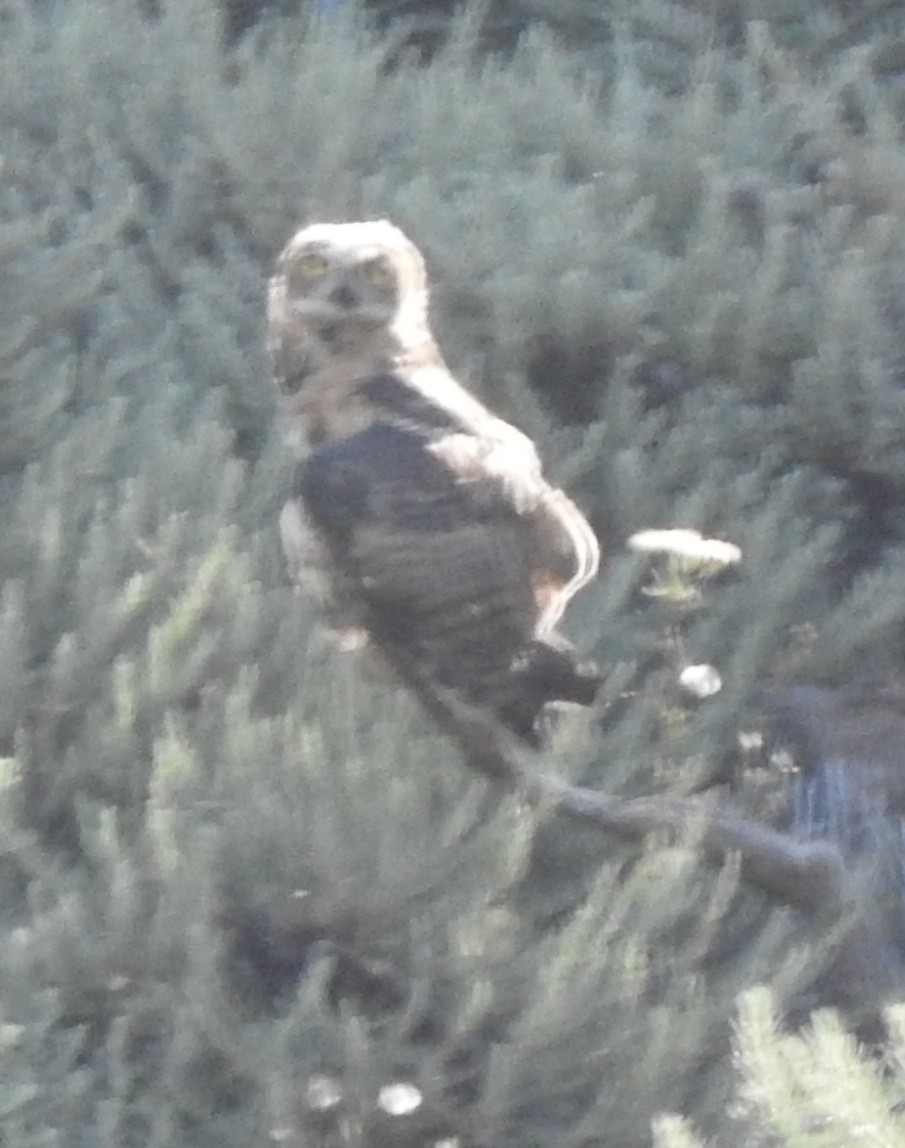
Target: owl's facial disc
{"x": 338, "y": 296}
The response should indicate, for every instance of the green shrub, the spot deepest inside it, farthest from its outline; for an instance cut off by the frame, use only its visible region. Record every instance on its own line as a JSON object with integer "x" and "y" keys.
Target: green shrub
{"x": 245, "y": 887}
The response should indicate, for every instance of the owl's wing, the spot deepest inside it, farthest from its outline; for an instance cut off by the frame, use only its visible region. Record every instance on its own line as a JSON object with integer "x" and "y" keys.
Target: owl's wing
{"x": 503, "y": 467}
{"x": 440, "y": 576}
{"x": 401, "y": 524}
{"x": 499, "y": 467}
{"x": 440, "y": 564}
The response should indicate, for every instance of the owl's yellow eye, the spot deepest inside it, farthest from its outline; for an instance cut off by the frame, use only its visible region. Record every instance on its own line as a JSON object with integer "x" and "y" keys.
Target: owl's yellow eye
{"x": 310, "y": 266}
{"x": 378, "y": 273}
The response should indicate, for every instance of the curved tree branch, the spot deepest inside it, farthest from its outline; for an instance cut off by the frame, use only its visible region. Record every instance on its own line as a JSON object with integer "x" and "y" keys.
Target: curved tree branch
{"x": 807, "y": 874}
{"x": 811, "y": 876}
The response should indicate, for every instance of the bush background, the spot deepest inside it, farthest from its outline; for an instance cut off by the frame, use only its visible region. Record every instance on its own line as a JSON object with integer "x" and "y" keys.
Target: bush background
{"x": 244, "y": 889}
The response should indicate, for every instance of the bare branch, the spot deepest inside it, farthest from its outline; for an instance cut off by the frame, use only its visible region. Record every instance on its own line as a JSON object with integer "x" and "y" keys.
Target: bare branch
{"x": 811, "y": 876}
{"x": 807, "y": 874}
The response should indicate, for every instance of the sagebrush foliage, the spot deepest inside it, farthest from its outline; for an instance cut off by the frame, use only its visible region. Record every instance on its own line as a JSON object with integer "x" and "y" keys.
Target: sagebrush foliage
{"x": 815, "y": 1088}
{"x": 240, "y": 878}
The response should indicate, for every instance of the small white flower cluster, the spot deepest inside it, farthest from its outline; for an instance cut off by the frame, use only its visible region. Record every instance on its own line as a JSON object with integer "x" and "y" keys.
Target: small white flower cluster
{"x": 701, "y": 681}
{"x": 690, "y": 556}
{"x": 323, "y": 1092}
{"x": 396, "y": 1099}
{"x": 686, "y": 544}
{"x": 399, "y": 1099}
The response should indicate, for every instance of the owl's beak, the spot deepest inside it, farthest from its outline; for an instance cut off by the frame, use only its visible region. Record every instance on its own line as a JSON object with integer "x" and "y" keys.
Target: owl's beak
{"x": 344, "y": 296}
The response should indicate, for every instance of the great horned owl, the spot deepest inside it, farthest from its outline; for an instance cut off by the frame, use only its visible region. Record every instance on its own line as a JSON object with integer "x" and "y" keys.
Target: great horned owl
{"x": 420, "y": 519}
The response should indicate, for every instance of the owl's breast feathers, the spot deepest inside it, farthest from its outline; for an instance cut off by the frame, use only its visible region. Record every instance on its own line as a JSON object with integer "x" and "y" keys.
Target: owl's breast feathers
{"x": 436, "y": 518}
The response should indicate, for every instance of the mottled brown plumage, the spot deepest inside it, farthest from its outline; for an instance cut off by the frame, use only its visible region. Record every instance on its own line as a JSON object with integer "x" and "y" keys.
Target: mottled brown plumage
{"x": 420, "y": 520}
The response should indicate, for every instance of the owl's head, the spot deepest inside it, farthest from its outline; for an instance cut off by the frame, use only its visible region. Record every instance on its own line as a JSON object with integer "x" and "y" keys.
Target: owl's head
{"x": 343, "y": 282}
